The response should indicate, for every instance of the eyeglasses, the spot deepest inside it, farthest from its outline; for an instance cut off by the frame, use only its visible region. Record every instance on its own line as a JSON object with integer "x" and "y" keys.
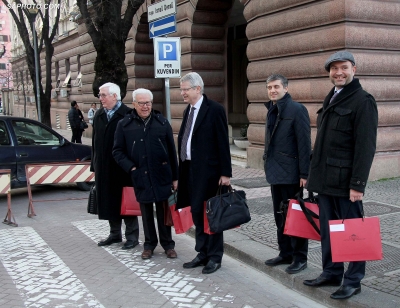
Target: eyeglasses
{"x": 187, "y": 89}
{"x": 102, "y": 95}
{"x": 142, "y": 104}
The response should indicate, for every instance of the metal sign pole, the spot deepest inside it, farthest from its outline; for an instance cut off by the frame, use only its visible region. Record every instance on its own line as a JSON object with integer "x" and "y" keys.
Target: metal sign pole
{"x": 167, "y": 99}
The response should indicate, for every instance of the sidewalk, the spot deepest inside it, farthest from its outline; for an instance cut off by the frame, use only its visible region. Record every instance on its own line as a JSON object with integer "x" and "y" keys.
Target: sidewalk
{"x": 255, "y": 241}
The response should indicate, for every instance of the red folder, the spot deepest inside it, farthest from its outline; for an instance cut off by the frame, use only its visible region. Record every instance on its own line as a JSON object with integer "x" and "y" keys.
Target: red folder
{"x": 129, "y": 204}
{"x": 182, "y": 219}
{"x": 356, "y": 239}
{"x": 297, "y": 223}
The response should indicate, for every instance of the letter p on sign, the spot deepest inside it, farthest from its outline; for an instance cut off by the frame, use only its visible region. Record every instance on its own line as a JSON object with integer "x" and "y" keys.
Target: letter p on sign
{"x": 167, "y": 51}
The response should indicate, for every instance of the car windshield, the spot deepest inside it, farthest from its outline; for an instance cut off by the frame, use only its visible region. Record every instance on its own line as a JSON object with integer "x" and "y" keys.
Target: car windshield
{"x": 29, "y": 133}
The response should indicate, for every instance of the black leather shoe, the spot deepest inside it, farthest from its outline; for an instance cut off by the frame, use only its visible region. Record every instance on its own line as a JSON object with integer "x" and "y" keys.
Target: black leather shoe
{"x": 194, "y": 263}
{"x": 109, "y": 240}
{"x": 345, "y": 292}
{"x": 278, "y": 260}
{"x": 211, "y": 267}
{"x": 296, "y": 267}
{"x": 129, "y": 245}
{"x": 322, "y": 281}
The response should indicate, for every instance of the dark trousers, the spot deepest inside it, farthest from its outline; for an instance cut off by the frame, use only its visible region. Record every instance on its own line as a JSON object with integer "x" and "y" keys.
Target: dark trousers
{"x": 76, "y": 135}
{"x": 209, "y": 247}
{"x": 290, "y": 247}
{"x": 131, "y": 228}
{"x": 331, "y": 208}
{"x": 150, "y": 234}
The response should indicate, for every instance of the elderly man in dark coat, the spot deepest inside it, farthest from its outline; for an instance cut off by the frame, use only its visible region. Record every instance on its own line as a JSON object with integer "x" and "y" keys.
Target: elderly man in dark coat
{"x": 110, "y": 178}
{"x": 205, "y": 163}
{"x": 343, "y": 153}
{"x": 144, "y": 147}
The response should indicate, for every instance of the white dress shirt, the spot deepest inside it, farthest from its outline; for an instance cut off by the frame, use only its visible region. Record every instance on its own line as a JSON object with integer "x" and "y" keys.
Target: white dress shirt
{"x": 196, "y": 111}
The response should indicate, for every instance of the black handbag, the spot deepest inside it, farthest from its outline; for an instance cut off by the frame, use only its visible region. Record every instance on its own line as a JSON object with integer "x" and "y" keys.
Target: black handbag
{"x": 92, "y": 204}
{"x": 228, "y": 210}
{"x": 83, "y": 125}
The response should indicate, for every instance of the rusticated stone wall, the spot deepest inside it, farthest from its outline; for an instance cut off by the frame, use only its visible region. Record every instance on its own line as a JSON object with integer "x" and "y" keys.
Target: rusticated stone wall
{"x": 291, "y": 37}
{"x": 201, "y": 27}
{"x": 295, "y": 37}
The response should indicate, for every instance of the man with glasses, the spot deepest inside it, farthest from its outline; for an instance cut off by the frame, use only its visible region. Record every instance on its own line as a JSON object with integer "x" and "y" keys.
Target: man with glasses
{"x": 205, "y": 163}
{"x": 144, "y": 147}
{"x": 110, "y": 177}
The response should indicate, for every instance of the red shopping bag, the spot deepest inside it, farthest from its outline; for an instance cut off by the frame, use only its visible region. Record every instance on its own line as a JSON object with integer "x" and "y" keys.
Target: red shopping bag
{"x": 356, "y": 239}
{"x": 182, "y": 219}
{"x": 297, "y": 223}
{"x": 129, "y": 204}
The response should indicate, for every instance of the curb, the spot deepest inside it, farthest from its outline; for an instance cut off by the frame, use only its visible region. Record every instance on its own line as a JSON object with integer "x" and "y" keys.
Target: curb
{"x": 236, "y": 246}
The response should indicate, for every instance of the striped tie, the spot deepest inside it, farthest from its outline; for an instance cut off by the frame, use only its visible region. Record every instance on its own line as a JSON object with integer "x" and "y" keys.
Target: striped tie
{"x": 186, "y": 134}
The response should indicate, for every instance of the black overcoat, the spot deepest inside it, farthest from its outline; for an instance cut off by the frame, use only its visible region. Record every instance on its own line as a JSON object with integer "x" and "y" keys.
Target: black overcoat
{"x": 151, "y": 150}
{"x": 288, "y": 148}
{"x": 109, "y": 176}
{"x": 345, "y": 143}
{"x": 210, "y": 154}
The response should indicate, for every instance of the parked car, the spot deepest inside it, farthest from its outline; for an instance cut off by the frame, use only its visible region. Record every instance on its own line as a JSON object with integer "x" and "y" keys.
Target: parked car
{"x": 25, "y": 141}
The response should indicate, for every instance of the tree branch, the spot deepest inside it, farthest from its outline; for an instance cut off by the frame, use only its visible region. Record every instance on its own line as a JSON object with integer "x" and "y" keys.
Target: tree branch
{"x": 132, "y": 7}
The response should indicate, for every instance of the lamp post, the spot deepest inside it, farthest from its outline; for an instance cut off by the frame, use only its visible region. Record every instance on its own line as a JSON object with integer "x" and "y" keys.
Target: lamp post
{"x": 32, "y": 17}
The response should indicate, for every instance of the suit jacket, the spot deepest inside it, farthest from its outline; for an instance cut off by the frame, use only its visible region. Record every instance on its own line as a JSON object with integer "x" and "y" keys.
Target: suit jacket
{"x": 210, "y": 154}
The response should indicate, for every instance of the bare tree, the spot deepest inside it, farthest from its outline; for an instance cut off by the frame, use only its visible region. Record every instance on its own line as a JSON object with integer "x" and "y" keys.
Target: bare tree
{"x": 20, "y": 15}
{"x": 108, "y": 26}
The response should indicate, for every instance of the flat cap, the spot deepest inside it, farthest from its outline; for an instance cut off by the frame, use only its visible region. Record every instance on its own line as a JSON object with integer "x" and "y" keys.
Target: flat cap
{"x": 339, "y": 56}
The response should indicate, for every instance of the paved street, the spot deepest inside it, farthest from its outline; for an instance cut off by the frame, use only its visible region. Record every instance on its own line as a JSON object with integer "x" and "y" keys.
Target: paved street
{"x": 52, "y": 260}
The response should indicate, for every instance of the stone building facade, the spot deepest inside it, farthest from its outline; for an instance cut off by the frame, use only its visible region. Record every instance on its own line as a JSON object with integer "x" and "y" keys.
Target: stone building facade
{"x": 236, "y": 44}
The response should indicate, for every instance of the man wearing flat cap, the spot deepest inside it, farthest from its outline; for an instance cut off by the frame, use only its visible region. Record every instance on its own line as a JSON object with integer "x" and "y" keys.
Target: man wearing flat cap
{"x": 342, "y": 157}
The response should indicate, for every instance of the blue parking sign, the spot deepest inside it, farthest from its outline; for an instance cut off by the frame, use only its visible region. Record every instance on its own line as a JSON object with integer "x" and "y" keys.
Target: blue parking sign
{"x": 167, "y": 51}
{"x": 167, "y": 57}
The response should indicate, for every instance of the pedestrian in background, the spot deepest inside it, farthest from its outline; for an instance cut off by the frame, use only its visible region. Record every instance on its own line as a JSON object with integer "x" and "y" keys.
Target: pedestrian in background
{"x": 205, "y": 163}
{"x": 110, "y": 178}
{"x": 286, "y": 163}
{"x": 91, "y": 113}
{"x": 75, "y": 118}
{"x": 342, "y": 157}
{"x": 144, "y": 147}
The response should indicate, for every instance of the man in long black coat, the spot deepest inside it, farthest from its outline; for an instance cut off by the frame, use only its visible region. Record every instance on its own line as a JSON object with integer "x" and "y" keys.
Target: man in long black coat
{"x": 343, "y": 153}
{"x": 205, "y": 162}
{"x": 109, "y": 176}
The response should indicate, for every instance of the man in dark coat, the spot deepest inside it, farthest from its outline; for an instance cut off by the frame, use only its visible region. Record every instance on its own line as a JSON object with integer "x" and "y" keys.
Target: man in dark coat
{"x": 205, "y": 163}
{"x": 144, "y": 147}
{"x": 109, "y": 176}
{"x": 287, "y": 160}
{"x": 75, "y": 120}
{"x": 343, "y": 153}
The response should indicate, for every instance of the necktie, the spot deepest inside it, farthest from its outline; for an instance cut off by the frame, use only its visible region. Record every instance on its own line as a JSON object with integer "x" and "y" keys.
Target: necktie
{"x": 186, "y": 134}
{"x": 333, "y": 96}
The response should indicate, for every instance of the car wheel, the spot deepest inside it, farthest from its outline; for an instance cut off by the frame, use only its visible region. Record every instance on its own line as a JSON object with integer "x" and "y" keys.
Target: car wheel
{"x": 85, "y": 186}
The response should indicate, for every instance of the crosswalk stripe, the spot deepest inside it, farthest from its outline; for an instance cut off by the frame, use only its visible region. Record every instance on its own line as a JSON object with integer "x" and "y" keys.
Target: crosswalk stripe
{"x": 176, "y": 285}
{"x": 40, "y": 276}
